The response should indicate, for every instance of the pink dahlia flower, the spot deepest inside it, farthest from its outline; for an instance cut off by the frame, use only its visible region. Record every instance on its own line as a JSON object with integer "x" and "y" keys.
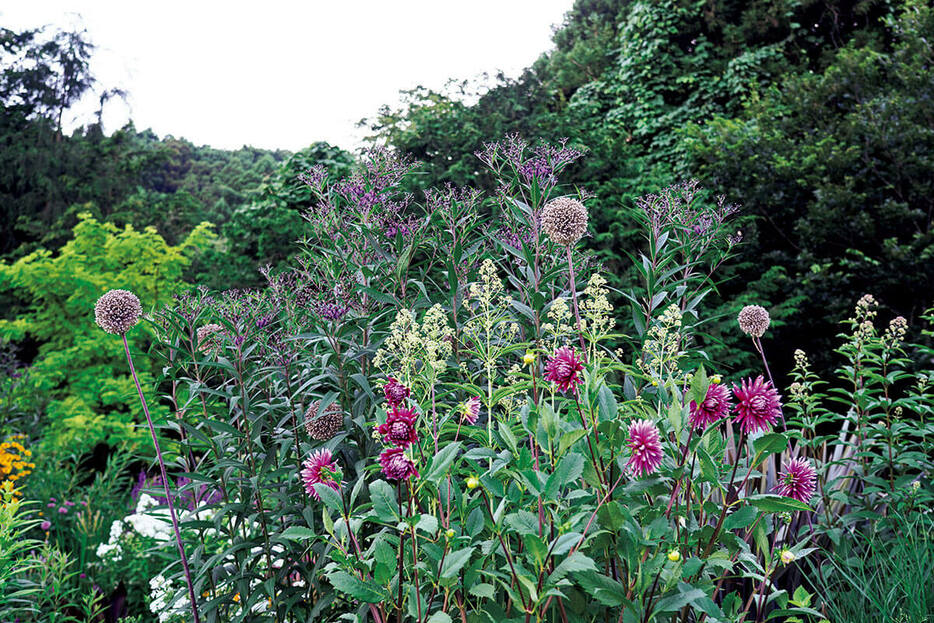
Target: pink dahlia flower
{"x": 563, "y": 369}
{"x": 758, "y": 405}
{"x": 399, "y": 429}
{"x": 470, "y": 410}
{"x": 396, "y": 465}
{"x": 320, "y": 468}
{"x": 395, "y": 392}
{"x": 716, "y": 405}
{"x": 646, "y": 445}
{"x": 798, "y": 481}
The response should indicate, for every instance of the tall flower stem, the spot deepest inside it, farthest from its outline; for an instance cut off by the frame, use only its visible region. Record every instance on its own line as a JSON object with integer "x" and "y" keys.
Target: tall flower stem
{"x": 165, "y": 483}
{"x": 577, "y": 313}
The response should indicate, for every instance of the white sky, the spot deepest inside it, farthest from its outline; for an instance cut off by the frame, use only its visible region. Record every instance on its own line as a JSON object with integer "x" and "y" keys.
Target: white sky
{"x": 280, "y": 74}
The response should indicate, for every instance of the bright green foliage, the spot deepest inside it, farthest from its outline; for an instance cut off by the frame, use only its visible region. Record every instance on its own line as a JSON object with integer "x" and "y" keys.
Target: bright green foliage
{"x": 80, "y": 372}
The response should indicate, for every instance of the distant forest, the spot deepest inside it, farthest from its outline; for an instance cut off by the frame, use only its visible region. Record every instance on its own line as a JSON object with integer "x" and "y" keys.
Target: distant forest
{"x": 816, "y": 117}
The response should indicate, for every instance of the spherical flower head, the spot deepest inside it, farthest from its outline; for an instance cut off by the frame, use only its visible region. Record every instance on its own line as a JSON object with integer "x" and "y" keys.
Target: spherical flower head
{"x": 320, "y": 468}
{"x": 324, "y": 425}
{"x": 563, "y": 369}
{"x": 395, "y": 392}
{"x": 787, "y": 556}
{"x": 716, "y": 405}
{"x": 209, "y": 337}
{"x": 753, "y": 320}
{"x": 45, "y": 525}
{"x": 758, "y": 405}
{"x": 674, "y": 555}
{"x": 399, "y": 429}
{"x": 117, "y": 311}
{"x": 798, "y": 481}
{"x": 564, "y": 220}
{"x": 473, "y": 482}
{"x": 396, "y": 465}
{"x": 646, "y": 446}
{"x": 470, "y": 410}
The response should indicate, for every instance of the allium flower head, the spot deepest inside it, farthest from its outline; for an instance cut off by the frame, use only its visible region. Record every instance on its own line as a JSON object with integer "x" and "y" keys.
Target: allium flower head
{"x": 320, "y": 468}
{"x": 758, "y": 405}
{"x": 396, "y": 465}
{"x": 45, "y": 525}
{"x": 470, "y": 410}
{"x": 324, "y": 425}
{"x": 564, "y": 220}
{"x": 399, "y": 429}
{"x": 563, "y": 369}
{"x": 798, "y": 481}
{"x": 645, "y": 443}
{"x": 716, "y": 405}
{"x": 117, "y": 311}
{"x": 209, "y": 337}
{"x": 753, "y": 320}
{"x": 395, "y": 392}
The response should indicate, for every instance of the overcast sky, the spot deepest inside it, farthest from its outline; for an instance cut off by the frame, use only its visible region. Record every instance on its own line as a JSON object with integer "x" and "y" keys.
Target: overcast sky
{"x": 285, "y": 74}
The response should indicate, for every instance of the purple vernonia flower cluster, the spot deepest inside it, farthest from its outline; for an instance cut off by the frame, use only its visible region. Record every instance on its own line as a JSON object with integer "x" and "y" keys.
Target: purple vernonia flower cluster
{"x": 541, "y": 163}
{"x": 677, "y": 206}
{"x": 452, "y": 202}
{"x": 513, "y": 236}
{"x": 192, "y": 497}
{"x": 315, "y": 177}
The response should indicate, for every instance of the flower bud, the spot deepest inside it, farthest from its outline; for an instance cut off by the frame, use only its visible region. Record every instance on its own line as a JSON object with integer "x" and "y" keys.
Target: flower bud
{"x": 449, "y": 533}
{"x": 674, "y": 555}
{"x": 473, "y": 482}
{"x": 787, "y": 556}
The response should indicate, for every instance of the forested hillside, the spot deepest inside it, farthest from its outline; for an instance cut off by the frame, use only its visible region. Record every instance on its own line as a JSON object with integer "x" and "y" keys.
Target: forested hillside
{"x": 814, "y": 116}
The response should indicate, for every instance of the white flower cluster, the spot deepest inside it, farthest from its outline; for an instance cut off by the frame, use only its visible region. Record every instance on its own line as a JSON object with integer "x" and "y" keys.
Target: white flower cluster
{"x": 167, "y": 601}
{"x": 153, "y": 524}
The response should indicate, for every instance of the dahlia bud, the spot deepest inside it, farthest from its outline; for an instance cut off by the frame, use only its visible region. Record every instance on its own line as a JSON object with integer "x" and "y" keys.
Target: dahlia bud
{"x": 324, "y": 426}
{"x": 473, "y": 482}
{"x": 529, "y": 358}
{"x": 449, "y": 533}
{"x": 787, "y": 556}
{"x": 564, "y": 220}
{"x": 753, "y": 320}
{"x": 674, "y": 555}
{"x": 117, "y": 311}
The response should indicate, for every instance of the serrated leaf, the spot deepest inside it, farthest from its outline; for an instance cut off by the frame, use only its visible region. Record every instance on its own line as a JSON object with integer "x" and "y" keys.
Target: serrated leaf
{"x": 355, "y": 587}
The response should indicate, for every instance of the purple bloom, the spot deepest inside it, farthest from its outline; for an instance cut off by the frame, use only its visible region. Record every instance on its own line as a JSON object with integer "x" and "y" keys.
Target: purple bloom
{"x": 645, "y": 443}
{"x": 470, "y": 410}
{"x": 798, "y": 481}
{"x": 320, "y": 468}
{"x": 758, "y": 405}
{"x": 395, "y": 392}
{"x": 396, "y": 465}
{"x": 399, "y": 429}
{"x": 45, "y": 525}
{"x": 563, "y": 369}
{"x": 716, "y": 405}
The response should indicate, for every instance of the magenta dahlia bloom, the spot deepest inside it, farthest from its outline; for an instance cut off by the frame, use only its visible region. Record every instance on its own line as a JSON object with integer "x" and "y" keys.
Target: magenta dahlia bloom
{"x": 758, "y": 405}
{"x": 399, "y": 429}
{"x": 798, "y": 481}
{"x": 396, "y": 465}
{"x": 563, "y": 369}
{"x": 395, "y": 392}
{"x": 646, "y": 445}
{"x": 716, "y": 405}
{"x": 470, "y": 410}
{"x": 320, "y": 468}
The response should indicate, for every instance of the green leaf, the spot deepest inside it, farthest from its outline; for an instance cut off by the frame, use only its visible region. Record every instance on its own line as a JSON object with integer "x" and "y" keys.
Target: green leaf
{"x": 441, "y": 462}
{"x": 427, "y": 523}
{"x": 699, "y": 385}
{"x": 741, "y": 518}
{"x": 330, "y": 497}
{"x": 573, "y": 563}
{"x": 776, "y": 503}
{"x": 440, "y": 617}
{"x": 569, "y": 439}
{"x": 770, "y": 443}
{"x": 454, "y": 562}
{"x": 298, "y": 533}
{"x": 568, "y": 470}
{"x": 606, "y": 403}
{"x": 351, "y": 585}
{"x": 483, "y": 590}
{"x": 384, "y": 501}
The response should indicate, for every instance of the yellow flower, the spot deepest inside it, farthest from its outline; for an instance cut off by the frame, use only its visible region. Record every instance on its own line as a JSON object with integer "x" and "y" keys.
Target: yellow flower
{"x": 716, "y": 379}
{"x": 449, "y": 533}
{"x": 787, "y": 556}
{"x": 529, "y": 358}
{"x": 674, "y": 555}
{"x": 473, "y": 482}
